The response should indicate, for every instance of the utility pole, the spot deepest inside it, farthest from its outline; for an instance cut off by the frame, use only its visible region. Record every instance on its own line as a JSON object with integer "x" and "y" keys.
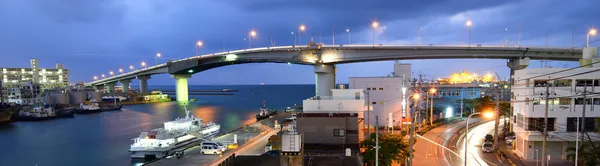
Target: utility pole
{"x": 368, "y": 115}
{"x": 497, "y": 120}
{"x": 376, "y": 141}
{"x": 333, "y": 36}
{"x": 583, "y": 114}
{"x": 545, "y": 124}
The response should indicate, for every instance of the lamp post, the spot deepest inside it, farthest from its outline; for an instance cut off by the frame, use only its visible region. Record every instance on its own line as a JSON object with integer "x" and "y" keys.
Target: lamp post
{"x": 121, "y": 70}
{"x": 95, "y": 78}
{"x": 302, "y": 28}
{"x": 143, "y": 64}
{"x": 131, "y": 67}
{"x": 587, "y": 38}
{"x": 374, "y": 25}
{"x": 419, "y": 36}
{"x": 156, "y": 58}
{"x": 488, "y": 114}
{"x": 103, "y": 76}
{"x": 432, "y": 91}
{"x": 294, "y": 38}
{"x": 111, "y": 73}
{"x": 251, "y": 34}
{"x": 349, "y": 36}
{"x": 412, "y": 129}
{"x": 198, "y": 44}
{"x": 469, "y": 24}
{"x": 548, "y": 31}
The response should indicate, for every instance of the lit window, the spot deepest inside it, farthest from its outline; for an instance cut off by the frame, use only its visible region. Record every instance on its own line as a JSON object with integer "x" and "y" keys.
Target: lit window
{"x": 339, "y": 132}
{"x": 380, "y": 88}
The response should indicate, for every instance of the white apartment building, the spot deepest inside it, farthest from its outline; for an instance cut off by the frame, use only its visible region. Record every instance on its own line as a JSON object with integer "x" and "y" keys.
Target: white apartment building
{"x": 27, "y": 93}
{"x": 387, "y": 96}
{"x": 566, "y": 105}
{"x": 48, "y": 78}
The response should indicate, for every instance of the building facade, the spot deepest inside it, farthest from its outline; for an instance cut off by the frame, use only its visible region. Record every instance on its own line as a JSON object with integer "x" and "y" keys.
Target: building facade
{"x": 566, "y": 104}
{"x": 26, "y": 93}
{"x": 47, "y": 78}
{"x": 386, "y": 96}
{"x": 332, "y": 120}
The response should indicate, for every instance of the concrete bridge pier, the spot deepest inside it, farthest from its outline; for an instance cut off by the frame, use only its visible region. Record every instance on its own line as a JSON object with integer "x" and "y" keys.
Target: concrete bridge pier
{"x": 181, "y": 86}
{"x": 99, "y": 88}
{"x": 143, "y": 83}
{"x": 110, "y": 87}
{"x": 324, "y": 79}
{"x": 589, "y": 55}
{"x": 125, "y": 84}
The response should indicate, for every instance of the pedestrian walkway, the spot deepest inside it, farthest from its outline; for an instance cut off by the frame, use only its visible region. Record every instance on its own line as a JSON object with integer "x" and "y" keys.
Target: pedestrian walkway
{"x": 511, "y": 159}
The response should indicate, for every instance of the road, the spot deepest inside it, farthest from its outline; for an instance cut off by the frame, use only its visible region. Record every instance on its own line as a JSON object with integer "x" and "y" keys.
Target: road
{"x": 262, "y": 129}
{"x": 476, "y": 137}
{"x": 430, "y": 154}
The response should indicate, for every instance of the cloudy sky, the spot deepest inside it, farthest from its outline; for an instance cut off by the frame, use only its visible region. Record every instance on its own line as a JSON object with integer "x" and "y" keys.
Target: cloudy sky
{"x": 92, "y": 37}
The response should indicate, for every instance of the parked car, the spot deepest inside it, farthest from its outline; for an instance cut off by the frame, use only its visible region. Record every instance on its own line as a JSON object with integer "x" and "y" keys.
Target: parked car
{"x": 209, "y": 149}
{"x": 489, "y": 138}
{"x": 216, "y": 144}
{"x": 510, "y": 135}
{"x": 487, "y": 147}
{"x": 294, "y": 116}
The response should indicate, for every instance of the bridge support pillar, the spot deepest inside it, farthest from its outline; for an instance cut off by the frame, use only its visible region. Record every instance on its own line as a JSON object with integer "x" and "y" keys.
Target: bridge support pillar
{"x": 143, "y": 83}
{"x": 181, "y": 86}
{"x": 110, "y": 87}
{"x": 99, "y": 88}
{"x": 589, "y": 54}
{"x": 125, "y": 84}
{"x": 324, "y": 79}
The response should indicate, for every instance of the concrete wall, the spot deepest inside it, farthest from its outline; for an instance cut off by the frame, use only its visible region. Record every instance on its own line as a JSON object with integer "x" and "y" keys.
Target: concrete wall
{"x": 385, "y": 96}
{"x": 333, "y": 105}
{"x": 77, "y": 97}
{"x": 319, "y": 130}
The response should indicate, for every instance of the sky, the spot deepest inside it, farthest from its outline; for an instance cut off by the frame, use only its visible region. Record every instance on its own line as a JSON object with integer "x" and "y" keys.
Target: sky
{"x": 94, "y": 37}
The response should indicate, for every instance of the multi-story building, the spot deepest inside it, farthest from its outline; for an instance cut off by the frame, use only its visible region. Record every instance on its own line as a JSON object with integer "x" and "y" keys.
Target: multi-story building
{"x": 333, "y": 120}
{"x": 27, "y": 93}
{"x": 566, "y": 105}
{"x": 386, "y": 96}
{"x": 47, "y": 78}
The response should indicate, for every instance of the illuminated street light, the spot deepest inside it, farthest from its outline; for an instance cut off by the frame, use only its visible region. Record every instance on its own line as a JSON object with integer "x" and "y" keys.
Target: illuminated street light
{"x": 302, "y": 28}
{"x": 156, "y": 58}
{"x": 592, "y": 32}
{"x": 131, "y": 67}
{"x": 487, "y": 114}
{"x": 374, "y": 25}
{"x": 111, "y": 73}
{"x": 143, "y": 64}
{"x": 251, "y": 34}
{"x": 120, "y": 70}
{"x": 432, "y": 91}
{"x": 469, "y": 24}
{"x": 95, "y": 77}
{"x": 349, "y": 36}
{"x": 103, "y": 76}
{"x": 198, "y": 44}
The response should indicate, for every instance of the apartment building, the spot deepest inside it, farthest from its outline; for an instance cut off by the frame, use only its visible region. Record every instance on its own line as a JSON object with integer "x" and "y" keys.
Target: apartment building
{"x": 47, "y": 78}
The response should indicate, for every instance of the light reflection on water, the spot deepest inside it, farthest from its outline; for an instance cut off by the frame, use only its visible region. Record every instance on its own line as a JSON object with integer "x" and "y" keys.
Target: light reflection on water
{"x": 104, "y": 138}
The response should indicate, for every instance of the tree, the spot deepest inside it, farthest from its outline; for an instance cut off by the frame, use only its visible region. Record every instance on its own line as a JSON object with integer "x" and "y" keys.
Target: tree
{"x": 587, "y": 155}
{"x": 392, "y": 148}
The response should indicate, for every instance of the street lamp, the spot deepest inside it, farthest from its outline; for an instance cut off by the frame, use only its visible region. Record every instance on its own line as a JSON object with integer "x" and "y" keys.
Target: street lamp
{"x": 251, "y": 34}
{"x": 587, "y": 39}
{"x": 143, "y": 64}
{"x": 111, "y": 73}
{"x": 131, "y": 67}
{"x": 302, "y": 28}
{"x": 156, "y": 58}
{"x": 374, "y": 25}
{"x": 103, "y": 76}
{"x": 469, "y": 24}
{"x": 294, "y": 38}
{"x": 349, "y": 36}
{"x": 198, "y": 44}
{"x": 120, "y": 70}
{"x": 432, "y": 91}
{"x": 548, "y": 31}
{"x": 95, "y": 77}
{"x": 415, "y": 97}
{"x": 488, "y": 114}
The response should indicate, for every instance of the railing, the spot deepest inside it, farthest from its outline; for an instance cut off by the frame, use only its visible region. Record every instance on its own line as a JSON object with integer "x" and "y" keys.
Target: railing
{"x": 334, "y": 98}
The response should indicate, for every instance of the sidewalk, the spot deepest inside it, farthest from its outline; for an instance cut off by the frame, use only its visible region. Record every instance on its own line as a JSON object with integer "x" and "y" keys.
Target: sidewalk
{"x": 513, "y": 160}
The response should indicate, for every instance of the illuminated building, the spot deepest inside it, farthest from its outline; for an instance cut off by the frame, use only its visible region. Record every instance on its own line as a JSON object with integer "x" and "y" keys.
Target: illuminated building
{"x": 47, "y": 78}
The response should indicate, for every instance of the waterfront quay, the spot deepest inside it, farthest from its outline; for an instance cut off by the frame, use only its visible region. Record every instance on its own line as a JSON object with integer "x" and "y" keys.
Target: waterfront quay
{"x": 251, "y": 141}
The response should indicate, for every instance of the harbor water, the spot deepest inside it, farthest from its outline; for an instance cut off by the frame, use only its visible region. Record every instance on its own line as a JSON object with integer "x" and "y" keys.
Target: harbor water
{"x": 104, "y": 138}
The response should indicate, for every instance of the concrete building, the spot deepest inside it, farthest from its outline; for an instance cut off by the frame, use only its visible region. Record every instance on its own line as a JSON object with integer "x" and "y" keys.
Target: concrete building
{"x": 387, "y": 95}
{"x": 47, "y": 78}
{"x": 566, "y": 105}
{"x": 332, "y": 120}
{"x": 26, "y": 93}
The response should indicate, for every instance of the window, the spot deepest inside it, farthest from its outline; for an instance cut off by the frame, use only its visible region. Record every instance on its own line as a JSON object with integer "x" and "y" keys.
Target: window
{"x": 562, "y": 83}
{"x": 579, "y": 101}
{"x": 372, "y": 88}
{"x": 368, "y": 88}
{"x": 537, "y": 124}
{"x": 596, "y": 101}
{"x": 537, "y": 101}
{"x": 380, "y": 88}
{"x": 540, "y": 83}
{"x": 339, "y": 132}
{"x": 583, "y": 83}
{"x": 374, "y": 102}
{"x": 527, "y": 101}
{"x": 564, "y": 101}
{"x": 589, "y": 124}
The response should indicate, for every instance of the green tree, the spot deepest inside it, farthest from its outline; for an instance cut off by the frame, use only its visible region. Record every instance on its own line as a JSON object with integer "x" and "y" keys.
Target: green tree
{"x": 587, "y": 155}
{"x": 392, "y": 148}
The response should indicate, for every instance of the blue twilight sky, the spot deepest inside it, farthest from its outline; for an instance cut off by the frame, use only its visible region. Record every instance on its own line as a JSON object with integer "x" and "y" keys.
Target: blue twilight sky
{"x": 91, "y": 37}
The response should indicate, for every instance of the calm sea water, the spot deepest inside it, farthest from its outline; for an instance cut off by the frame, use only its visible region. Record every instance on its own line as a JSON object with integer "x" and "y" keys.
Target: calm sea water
{"x": 103, "y": 139}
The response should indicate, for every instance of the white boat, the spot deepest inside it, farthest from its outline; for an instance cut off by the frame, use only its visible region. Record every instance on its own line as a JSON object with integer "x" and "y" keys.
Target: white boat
{"x": 93, "y": 106}
{"x": 176, "y": 134}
